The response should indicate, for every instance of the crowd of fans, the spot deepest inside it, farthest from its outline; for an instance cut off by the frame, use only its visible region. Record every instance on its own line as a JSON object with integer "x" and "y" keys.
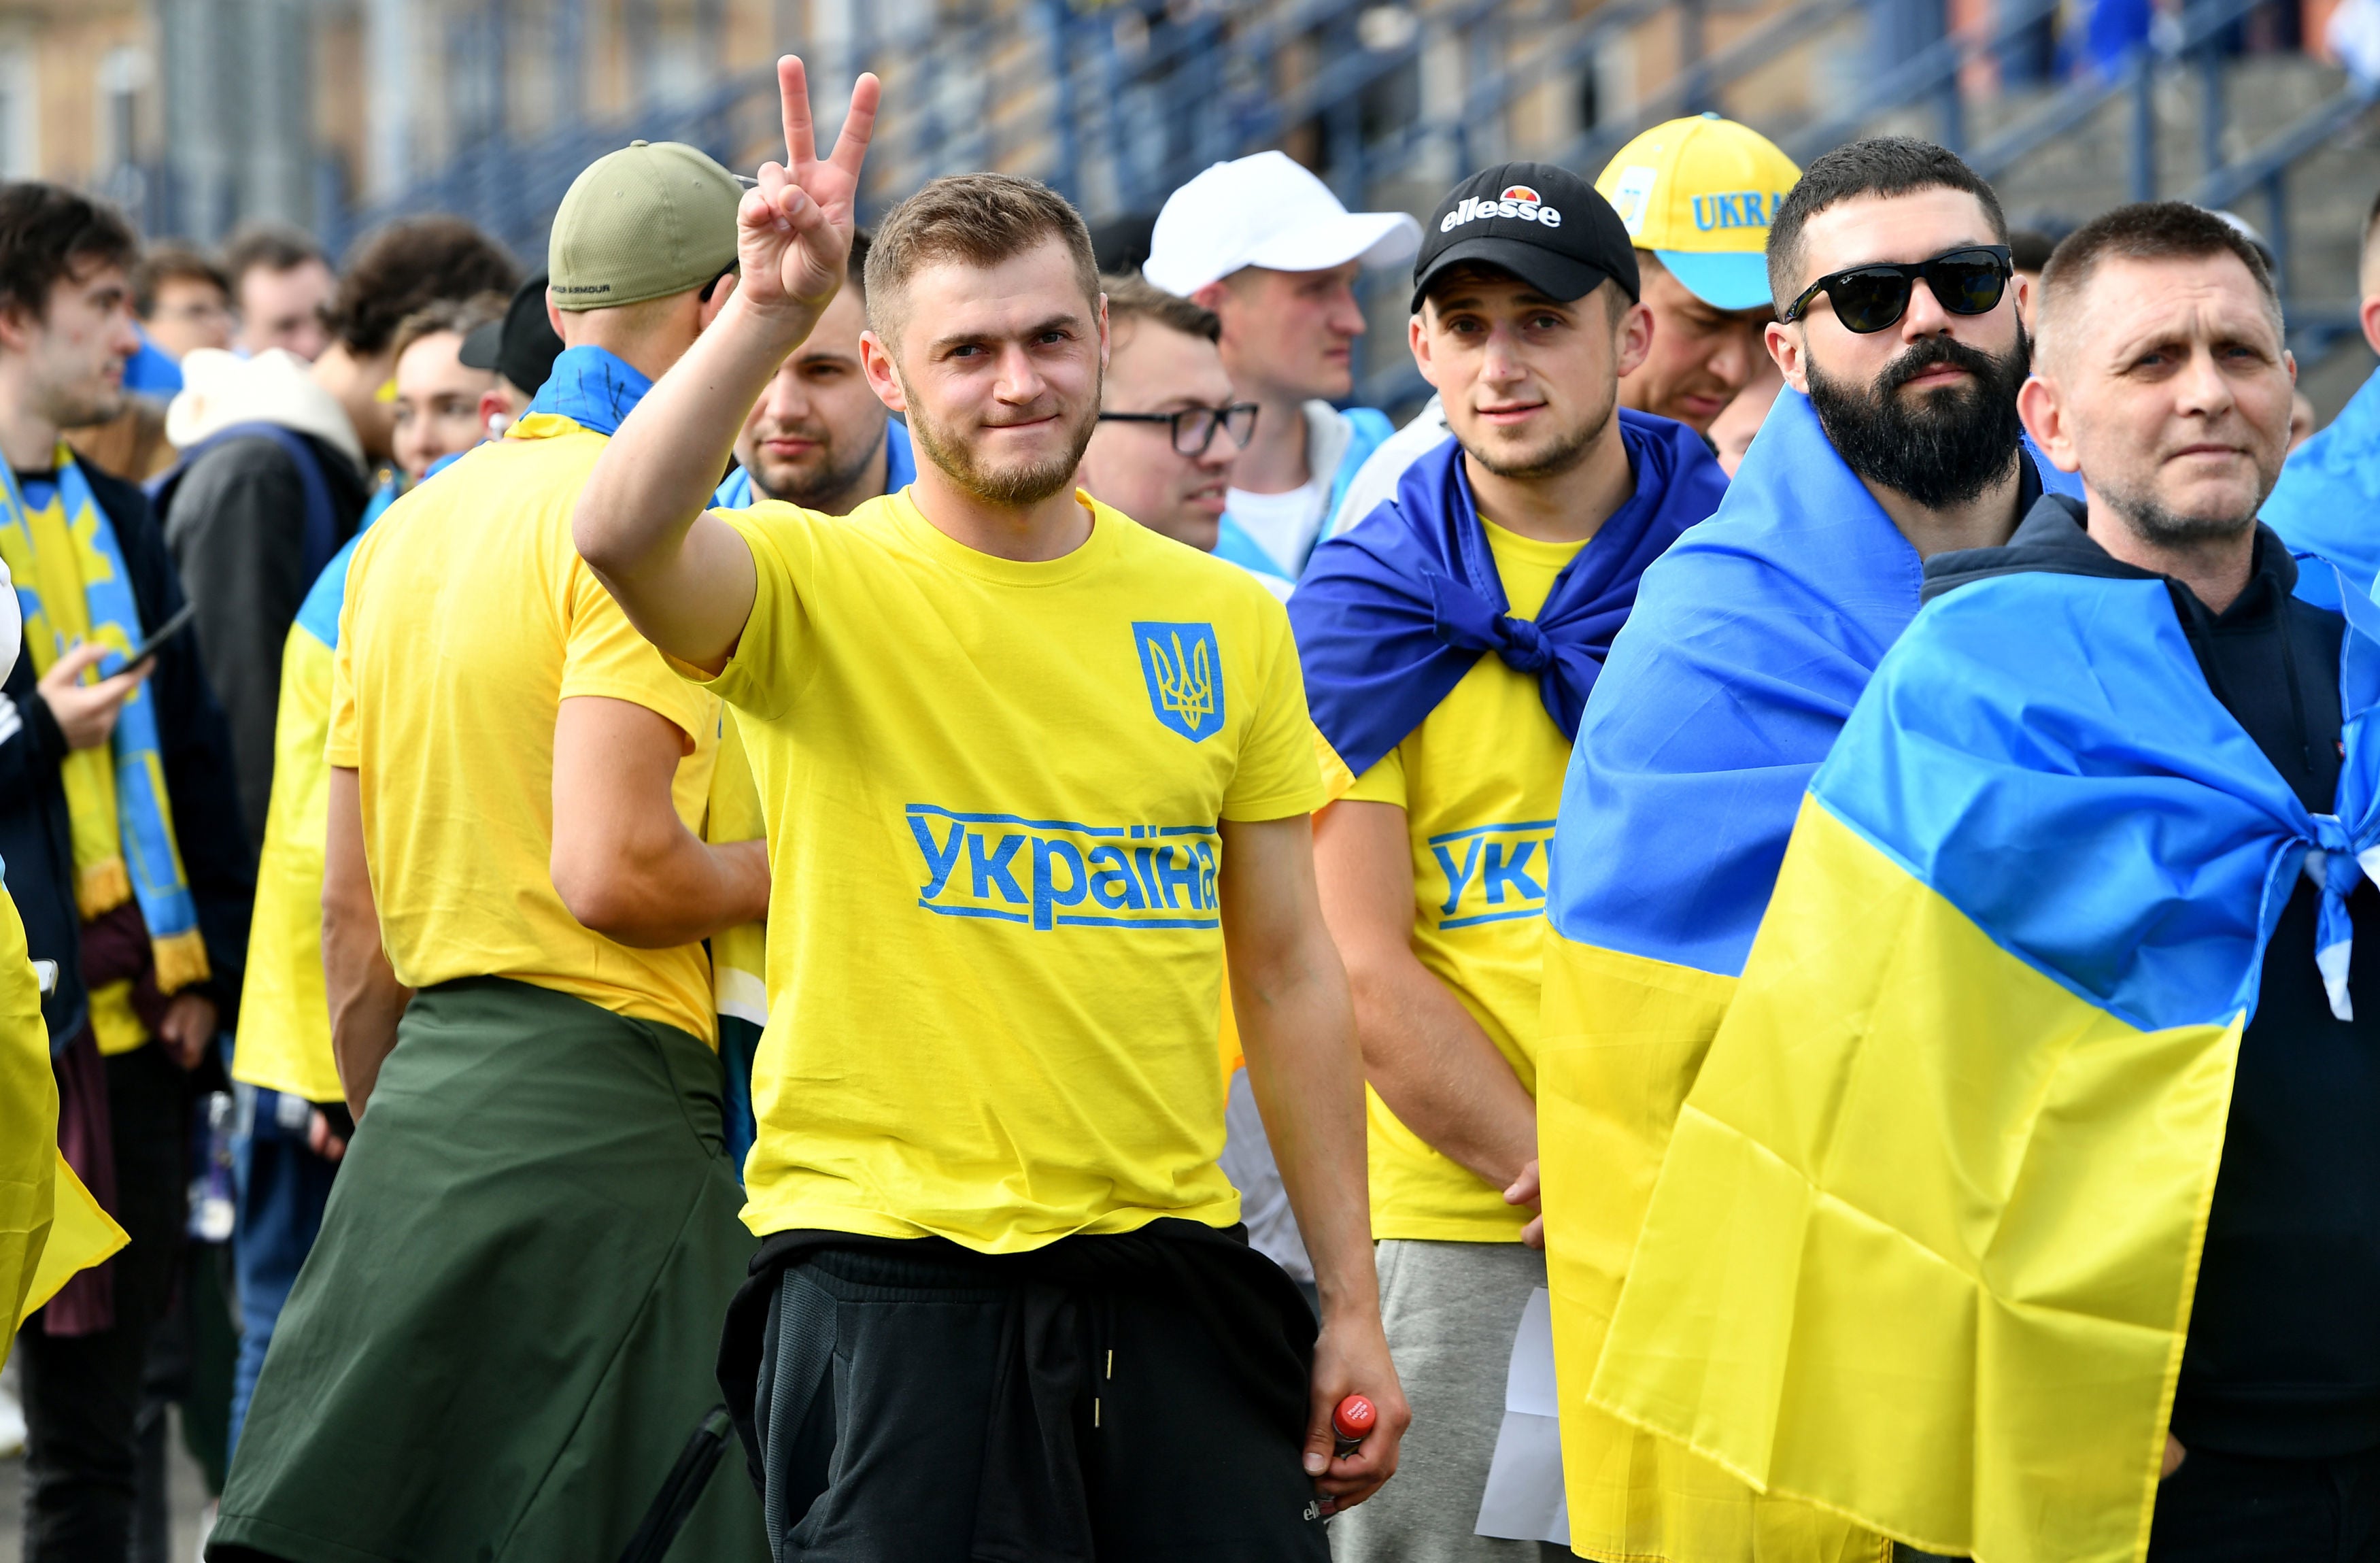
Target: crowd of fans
{"x": 240, "y": 420}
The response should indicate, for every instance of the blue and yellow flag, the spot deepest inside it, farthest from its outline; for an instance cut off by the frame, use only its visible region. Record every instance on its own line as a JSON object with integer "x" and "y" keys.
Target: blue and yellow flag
{"x": 1924, "y": 1244}
{"x": 2328, "y": 491}
{"x": 1751, "y": 641}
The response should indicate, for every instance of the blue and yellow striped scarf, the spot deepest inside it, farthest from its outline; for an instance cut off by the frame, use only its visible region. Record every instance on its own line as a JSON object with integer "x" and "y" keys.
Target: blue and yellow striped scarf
{"x": 72, "y": 586}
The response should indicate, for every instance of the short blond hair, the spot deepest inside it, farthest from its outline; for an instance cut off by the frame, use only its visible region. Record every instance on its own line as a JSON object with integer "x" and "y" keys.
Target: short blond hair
{"x": 978, "y": 220}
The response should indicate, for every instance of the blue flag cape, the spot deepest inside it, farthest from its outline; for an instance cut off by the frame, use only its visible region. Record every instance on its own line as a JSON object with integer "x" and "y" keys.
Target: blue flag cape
{"x": 1750, "y": 641}
{"x": 2328, "y": 501}
{"x": 1925, "y": 1243}
{"x": 1395, "y": 610}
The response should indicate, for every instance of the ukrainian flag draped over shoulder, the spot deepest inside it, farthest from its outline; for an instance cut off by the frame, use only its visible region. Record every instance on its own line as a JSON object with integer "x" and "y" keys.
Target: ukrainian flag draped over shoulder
{"x": 1750, "y": 643}
{"x": 2329, "y": 492}
{"x": 1926, "y": 1238}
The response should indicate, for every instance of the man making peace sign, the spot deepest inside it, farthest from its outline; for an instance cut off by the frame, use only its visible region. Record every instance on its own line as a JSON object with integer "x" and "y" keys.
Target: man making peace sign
{"x": 1027, "y": 767}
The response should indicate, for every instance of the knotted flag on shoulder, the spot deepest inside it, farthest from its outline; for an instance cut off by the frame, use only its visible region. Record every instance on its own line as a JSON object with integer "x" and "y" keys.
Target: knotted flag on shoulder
{"x": 1395, "y": 610}
{"x": 1750, "y": 641}
{"x": 1924, "y": 1248}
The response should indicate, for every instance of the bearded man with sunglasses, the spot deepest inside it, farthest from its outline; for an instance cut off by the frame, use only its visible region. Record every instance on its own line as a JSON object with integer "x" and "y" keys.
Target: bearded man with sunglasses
{"x": 1895, "y": 438}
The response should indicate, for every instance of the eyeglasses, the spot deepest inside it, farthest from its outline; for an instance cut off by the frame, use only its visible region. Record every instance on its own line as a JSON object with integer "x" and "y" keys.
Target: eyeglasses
{"x": 1193, "y": 427}
{"x": 1869, "y": 298}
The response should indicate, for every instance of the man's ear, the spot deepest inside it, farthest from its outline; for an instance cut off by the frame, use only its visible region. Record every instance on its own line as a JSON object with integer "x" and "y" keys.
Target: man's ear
{"x": 877, "y": 364}
{"x": 2043, "y": 411}
{"x": 2371, "y": 314}
{"x": 1785, "y": 345}
{"x": 722, "y": 290}
{"x": 1417, "y": 338}
{"x": 18, "y": 328}
{"x": 1211, "y": 297}
{"x": 1632, "y": 338}
{"x": 1107, "y": 338}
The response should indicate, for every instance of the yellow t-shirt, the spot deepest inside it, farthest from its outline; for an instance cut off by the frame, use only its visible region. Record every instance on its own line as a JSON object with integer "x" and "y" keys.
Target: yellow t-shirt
{"x": 992, "y": 791}
{"x": 1480, "y": 781}
{"x": 285, "y": 1017}
{"x": 469, "y": 617}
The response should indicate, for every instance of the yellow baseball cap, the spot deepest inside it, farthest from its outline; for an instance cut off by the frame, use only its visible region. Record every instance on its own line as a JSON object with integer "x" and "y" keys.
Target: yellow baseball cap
{"x": 1700, "y": 194}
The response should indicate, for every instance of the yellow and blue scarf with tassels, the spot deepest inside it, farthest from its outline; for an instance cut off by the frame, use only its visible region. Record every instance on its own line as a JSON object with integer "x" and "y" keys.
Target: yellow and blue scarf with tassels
{"x": 72, "y": 586}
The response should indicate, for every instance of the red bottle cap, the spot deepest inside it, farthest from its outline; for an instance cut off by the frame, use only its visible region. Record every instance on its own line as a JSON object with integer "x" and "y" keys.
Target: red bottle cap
{"x": 1355, "y": 1417}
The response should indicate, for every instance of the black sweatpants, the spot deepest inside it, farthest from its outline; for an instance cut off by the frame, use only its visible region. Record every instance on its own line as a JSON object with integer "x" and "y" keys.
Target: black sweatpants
{"x": 82, "y": 1393}
{"x": 882, "y": 1372}
{"x": 2236, "y": 1509}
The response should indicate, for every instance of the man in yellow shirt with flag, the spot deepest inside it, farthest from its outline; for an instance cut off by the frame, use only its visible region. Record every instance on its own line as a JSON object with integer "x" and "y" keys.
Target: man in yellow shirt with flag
{"x": 1450, "y": 640}
{"x": 501, "y": 1343}
{"x": 1027, "y": 767}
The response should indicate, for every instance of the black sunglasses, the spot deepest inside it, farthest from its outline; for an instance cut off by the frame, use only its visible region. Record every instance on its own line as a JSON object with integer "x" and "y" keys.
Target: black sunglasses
{"x": 1193, "y": 427}
{"x": 1868, "y": 298}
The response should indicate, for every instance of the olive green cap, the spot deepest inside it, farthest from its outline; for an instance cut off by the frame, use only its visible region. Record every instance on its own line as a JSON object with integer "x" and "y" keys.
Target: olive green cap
{"x": 649, "y": 220}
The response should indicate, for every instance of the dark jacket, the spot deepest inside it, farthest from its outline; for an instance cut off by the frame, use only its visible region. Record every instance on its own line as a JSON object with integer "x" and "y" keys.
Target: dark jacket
{"x": 234, "y": 523}
{"x": 35, "y": 836}
{"x": 2283, "y": 1359}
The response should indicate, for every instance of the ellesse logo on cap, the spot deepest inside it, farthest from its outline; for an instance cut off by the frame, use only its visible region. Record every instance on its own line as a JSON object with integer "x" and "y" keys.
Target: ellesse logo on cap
{"x": 1517, "y": 201}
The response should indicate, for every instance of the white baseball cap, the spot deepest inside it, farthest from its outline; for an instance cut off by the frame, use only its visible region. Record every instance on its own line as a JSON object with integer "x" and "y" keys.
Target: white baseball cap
{"x": 1267, "y": 211}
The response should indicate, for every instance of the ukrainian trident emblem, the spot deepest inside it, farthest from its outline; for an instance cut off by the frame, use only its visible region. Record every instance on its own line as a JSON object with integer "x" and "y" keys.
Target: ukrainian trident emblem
{"x": 1184, "y": 675}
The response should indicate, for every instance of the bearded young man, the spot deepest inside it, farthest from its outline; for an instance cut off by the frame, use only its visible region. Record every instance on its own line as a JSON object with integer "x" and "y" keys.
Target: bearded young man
{"x": 1895, "y": 438}
{"x": 1025, "y": 767}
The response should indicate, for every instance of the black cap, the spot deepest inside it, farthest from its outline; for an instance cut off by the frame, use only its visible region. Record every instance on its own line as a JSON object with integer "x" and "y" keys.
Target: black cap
{"x": 1543, "y": 224}
{"x": 521, "y": 347}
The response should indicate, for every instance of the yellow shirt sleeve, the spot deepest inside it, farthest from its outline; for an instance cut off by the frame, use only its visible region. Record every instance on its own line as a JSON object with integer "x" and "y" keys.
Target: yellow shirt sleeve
{"x": 1384, "y": 783}
{"x": 606, "y": 655}
{"x": 772, "y": 662}
{"x": 1279, "y": 773}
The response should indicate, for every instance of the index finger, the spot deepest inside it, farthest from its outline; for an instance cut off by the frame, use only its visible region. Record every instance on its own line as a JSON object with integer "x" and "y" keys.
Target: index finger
{"x": 793, "y": 95}
{"x": 120, "y": 686}
{"x": 858, "y": 126}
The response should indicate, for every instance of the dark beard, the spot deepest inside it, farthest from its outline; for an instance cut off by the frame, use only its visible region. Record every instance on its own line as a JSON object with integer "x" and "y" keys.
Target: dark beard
{"x": 1944, "y": 449}
{"x": 831, "y": 483}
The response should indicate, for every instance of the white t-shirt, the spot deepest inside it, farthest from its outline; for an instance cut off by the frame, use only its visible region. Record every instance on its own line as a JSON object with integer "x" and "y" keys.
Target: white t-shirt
{"x": 1283, "y": 525}
{"x": 1377, "y": 478}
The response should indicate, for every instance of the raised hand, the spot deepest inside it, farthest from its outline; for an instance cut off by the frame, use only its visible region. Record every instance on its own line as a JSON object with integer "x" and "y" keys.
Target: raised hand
{"x": 793, "y": 231}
